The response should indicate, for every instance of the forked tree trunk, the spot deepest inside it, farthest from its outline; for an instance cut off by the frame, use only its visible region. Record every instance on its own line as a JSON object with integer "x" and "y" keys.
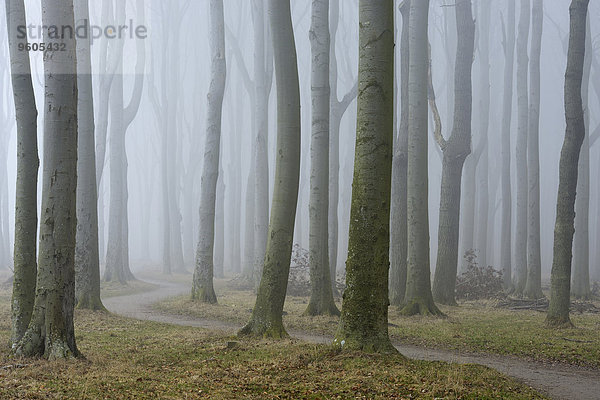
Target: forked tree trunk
{"x": 364, "y": 321}
{"x": 25, "y": 262}
{"x": 520, "y": 245}
{"x": 560, "y": 287}
{"x": 51, "y": 333}
{"x": 266, "y": 319}
{"x": 533, "y": 288}
{"x": 581, "y": 250}
{"x": 87, "y": 257}
{"x": 398, "y": 225}
{"x": 455, "y": 149}
{"x": 203, "y": 289}
{"x": 418, "y": 298}
{"x": 321, "y": 298}
{"x": 507, "y": 104}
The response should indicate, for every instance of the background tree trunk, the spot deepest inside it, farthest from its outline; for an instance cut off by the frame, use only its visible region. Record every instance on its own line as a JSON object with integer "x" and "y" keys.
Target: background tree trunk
{"x": 507, "y": 104}
{"x": 203, "y": 289}
{"x": 418, "y": 298}
{"x": 25, "y": 263}
{"x": 455, "y": 149}
{"x": 363, "y": 324}
{"x": 51, "y": 332}
{"x": 560, "y": 288}
{"x": 398, "y": 225}
{"x": 520, "y": 247}
{"x": 321, "y": 299}
{"x": 533, "y": 288}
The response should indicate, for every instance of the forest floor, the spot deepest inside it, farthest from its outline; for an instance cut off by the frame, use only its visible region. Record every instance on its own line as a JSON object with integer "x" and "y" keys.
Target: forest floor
{"x": 561, "y": 363}
{"x": 137, "y": 359}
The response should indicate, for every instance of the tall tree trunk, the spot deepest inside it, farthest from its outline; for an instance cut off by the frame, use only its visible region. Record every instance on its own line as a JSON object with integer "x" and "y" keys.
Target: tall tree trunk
{"x": 248, "y": 258}
{"x": 418, "y": 298}
{"x": 203, "y": 289}
{"x": 398, "y": 225}
{"x": 87, "y": 257}
{"x": 51, "y": 333}
{"x": 560, "y": 287}
{"x": 266, "y": 319}
{"x": 521, "y": 149}
{"x": 321, "y": 298}
{"x": 364, "y": 321}
{"x": 581, "y": 251}
{"x": 507, "y": 104}
{"x": 25, "y": 263}
{"x": 533, "y": 288}
{"x": 455, "y": 149}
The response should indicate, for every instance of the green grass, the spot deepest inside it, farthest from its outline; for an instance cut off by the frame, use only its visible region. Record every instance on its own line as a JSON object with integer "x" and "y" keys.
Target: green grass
{"x": 473, "y": 327}
{"x": 128, "y": 359}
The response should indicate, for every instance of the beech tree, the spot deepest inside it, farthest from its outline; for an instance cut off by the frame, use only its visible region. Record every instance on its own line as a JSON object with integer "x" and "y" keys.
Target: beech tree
{"x": 560, "y": 286}
{"x": 364, "y": 321}
{"x": 25, "y": 262}
{"x": 203, "y": 289}
{"x": 50, "y": 332}
{"x": 266, "y": 319}
{"x": 455, "y": 150}
{"x": 418, "y": 298}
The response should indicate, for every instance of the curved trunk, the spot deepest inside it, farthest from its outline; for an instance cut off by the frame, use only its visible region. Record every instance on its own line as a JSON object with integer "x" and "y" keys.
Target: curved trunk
{"x": 364, "y": 321}
{"x": 203, "y": 273}
{"x": 87, "y": 257}
{"x": 25, "y": 262}
{"x": 266, "y": 319}
{"x": 455, "y": 150}
{"x": 560, "y": 287}
{"x": 321, "y": 298}
{"x": 521, "y": 149}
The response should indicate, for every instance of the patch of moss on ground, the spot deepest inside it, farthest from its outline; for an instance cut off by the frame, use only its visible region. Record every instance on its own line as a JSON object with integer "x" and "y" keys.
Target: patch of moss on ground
{"x": 127, "y": 359}
{"x": 472, "y": 327}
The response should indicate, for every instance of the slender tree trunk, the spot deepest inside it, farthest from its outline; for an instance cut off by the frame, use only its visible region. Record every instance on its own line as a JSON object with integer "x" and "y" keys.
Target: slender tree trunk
{"x": 203, "y": 289}
{"x": 507, "y": 104}
{"x": 51, "y": 333}
{"x": 581, "y": 250}
{"x": 87, "y": 257}
{"x": 520, "y": 247}
{"x": 248, "y": 259}
{"x": 25, "y": 263}
{"x": 266, "y": 319}
{"x": 468, "y": 206}
{"x": 219, "y": 248}
{"x": 533, "y": 288}
{"x": 560, "y": 288}
{"x": 455, "y": 149}
{"x": 364, "y": 321}
{"x": 321, "y": 299}
{"x": 418, "y": 298}
{"x": 398, "y": 227}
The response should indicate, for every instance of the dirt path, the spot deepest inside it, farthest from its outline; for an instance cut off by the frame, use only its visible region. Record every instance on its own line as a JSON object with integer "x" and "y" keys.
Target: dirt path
{"x": 557, "y": 381}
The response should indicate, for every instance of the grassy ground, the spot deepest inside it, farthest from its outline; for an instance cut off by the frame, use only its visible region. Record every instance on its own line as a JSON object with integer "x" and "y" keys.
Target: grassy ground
{"x": 113, "y": 289}
{"x": 128, "y": 359}
{"x": 471, "y": 327}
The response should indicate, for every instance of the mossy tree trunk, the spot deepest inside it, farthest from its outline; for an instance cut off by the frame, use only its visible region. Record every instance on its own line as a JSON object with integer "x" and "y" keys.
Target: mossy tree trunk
{"x": 560, "y": 287}
{"x": 321, "y": 298}
{"x": 507, "y": 104}
{"x": 364, "y": 321}
{"x": 203, "y": 289}
{"x": 455, "y": 149}
{"x": 520, "y": 245}
{"x": 581, "y": 242}
{"x": 418, "y": 298}
{"x": 25, "y": 263}
{"x": 266, "y": 319}
{"x": 51, "y": 333}
{"x": 533, "y": 288}
{"x": 399, "y": 217}
{"x": 87, "y": 258}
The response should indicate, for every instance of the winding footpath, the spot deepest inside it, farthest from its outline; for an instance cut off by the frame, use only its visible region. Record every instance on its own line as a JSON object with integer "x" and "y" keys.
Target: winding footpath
{"x": 557, "y": 381}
